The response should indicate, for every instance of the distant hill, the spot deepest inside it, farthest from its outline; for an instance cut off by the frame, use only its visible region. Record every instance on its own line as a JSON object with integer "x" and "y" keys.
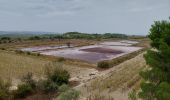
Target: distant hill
{"x": 22, "y": 34}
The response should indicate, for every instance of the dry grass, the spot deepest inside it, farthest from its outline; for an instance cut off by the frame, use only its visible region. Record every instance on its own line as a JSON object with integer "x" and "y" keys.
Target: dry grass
{"x": 122, "y": 76}
{"x": 14, "y": 66}
{"x": 32, "y": 43}
{"x": 117, "y": 78}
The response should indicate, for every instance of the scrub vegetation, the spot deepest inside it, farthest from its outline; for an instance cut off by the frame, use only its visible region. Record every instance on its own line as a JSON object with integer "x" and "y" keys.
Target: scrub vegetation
{"x": 27, "y": 75}
{"x": 156, "y": 84}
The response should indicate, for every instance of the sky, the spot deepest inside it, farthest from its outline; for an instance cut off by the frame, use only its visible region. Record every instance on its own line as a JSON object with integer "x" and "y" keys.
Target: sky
{"x": 91, "y": 16}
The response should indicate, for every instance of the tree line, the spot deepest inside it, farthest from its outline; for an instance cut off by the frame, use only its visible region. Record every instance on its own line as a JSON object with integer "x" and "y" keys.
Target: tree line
{"x": 78, "y": 35}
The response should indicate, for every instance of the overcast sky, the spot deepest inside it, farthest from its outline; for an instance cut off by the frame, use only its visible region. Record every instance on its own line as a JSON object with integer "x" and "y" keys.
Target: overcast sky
{"x": 121, "y": 16}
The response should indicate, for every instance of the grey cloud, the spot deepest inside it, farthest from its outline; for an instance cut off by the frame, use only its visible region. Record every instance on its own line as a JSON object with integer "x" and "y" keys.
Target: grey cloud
{"x": 124, "y": 16}
{"x": 37, "y": 7}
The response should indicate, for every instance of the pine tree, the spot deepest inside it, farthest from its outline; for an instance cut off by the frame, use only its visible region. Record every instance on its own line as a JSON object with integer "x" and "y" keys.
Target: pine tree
{"x": 156, "y": 84}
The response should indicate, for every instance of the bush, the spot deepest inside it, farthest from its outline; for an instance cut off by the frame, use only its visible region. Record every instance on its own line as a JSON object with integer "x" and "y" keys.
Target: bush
{"x": 19, "y": 51}
{"x": 38, "y": 54}
{"x": 28, "y": 53}
{"x": 103, "y": 64}
{"x": 55, "y": 77}
{"x": 4, "y": 89}
{"x": 70, "y": 95}
{"x": 28, "y": 79}
{"x": 2, "y": 48}
{"x": 47, "y": 86}
{"x": 60, "y": 77}
{"x": 24, "y": 90}
{"x": 63, "y": 88}
{"x": 34, "y": 38}
{"x": 57, "y": 74}
{"x": 35, "y": 54}
{"x": 61, "y": 59}
{"x": 132, "y": 95}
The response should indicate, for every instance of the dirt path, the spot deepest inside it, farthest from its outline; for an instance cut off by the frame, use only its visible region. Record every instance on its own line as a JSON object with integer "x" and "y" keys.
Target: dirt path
{"x": 110, "y": 84}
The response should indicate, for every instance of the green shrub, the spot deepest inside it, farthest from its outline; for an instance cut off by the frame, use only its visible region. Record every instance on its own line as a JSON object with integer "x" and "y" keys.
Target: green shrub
{"x": 163, "y": 91}
{"x": 132, "y": 95}
{"x": 28, "y": 53}
{"x": 70, "y": 95}
{"x": 61, "y": 59}
{"x": 63, "y": 88}
{"x": 38, "y": 54}
{"x": 60, "y": 77}
{"x": 34, "y": 38}
{"x": 2, "y": 48}
{"x": 47, "y": 86}
{"x": 35, "y": 54}
{"x": 4, "y": 89}
{"x": 55, "y": 77}
{"x": 56, "y": 74}
{"x": 19, "y": 51}
{"x": 103, "y": 64}
{"x": 24, "y": 90}
{"x": 28, "y": 79}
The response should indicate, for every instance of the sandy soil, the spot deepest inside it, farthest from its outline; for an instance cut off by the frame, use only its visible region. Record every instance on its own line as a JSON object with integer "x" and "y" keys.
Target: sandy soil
{"x": 112, "y": 83}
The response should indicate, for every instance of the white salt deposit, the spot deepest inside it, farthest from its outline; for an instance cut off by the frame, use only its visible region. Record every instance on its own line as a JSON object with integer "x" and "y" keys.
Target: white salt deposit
{"x": 124, "y": 47}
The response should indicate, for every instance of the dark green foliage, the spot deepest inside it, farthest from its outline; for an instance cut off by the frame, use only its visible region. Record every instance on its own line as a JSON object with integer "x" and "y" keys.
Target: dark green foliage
{"x": 103, "y": 64}
{"x": 63, "y": 88}
{"x": 61, "y": 59}
{"x": 19, "y": 51}
{"x": 36, "y": 54}
{"x": 159, "y": 33}
{"x": 5, "y": 38}
{"x": 53, "y": 35}
{"x": 28, "y": 53}
{"x": 60, "y": 77}
{"x": 56, "y": 74}
{"x": 24, "y": 90}
{"x": 28, "y": 79}
{"x": 147, "y": 91}
{"x": 163, "y": 91}
{"x": 35, "y": 38}
{"x": 4, "y": 89}
{"x": 132, "y": 95}
{"x": 27, "y": 87}
{"x": 70, "y": 95}
{"x": 115, "y": 35}
{"x": 47, "y": 86}
{"x": 2, "y": 48}
{"x": 67, "y": 93}
{"x": 157, "y": 77}
{"x": 78, "y": 35}
{"x": 55, "y": 77}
